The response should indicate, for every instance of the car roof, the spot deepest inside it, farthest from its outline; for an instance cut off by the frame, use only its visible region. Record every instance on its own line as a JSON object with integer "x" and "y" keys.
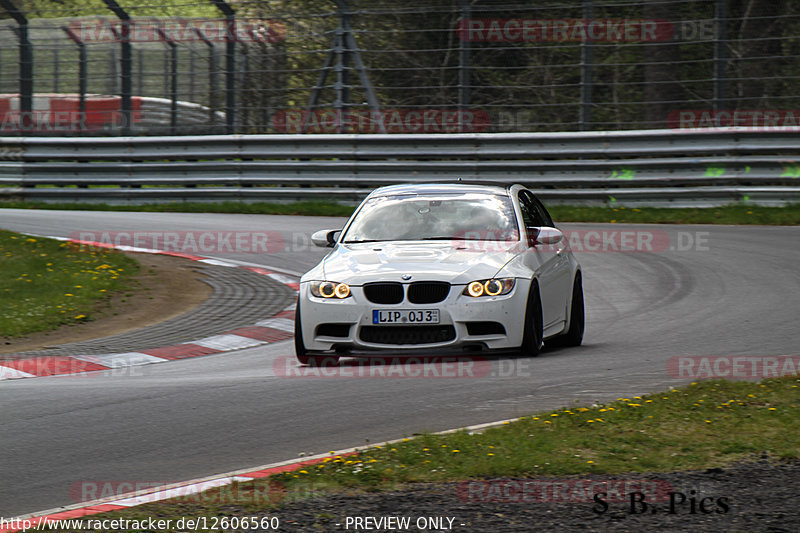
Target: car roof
{"x": 442, "y": 187}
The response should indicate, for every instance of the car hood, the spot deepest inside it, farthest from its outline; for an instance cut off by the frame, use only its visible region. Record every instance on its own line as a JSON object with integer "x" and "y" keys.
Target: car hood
{"x": 457, "y": 263}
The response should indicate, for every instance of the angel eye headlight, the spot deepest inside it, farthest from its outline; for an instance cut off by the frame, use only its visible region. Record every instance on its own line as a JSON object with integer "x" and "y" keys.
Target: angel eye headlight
{"x": 330, "y": 289}
{"x": 342, "y": 290}
{"x": 493, "y": 287}
{"x": 474, "y": 289}
{"x": 489, "y": 287}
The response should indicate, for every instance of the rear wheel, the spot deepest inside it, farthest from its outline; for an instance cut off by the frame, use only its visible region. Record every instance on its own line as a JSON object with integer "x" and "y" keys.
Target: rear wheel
{"x": 300, "y": 351}
{"x": 577, "y": 322}
{"x": 532, "y": 333}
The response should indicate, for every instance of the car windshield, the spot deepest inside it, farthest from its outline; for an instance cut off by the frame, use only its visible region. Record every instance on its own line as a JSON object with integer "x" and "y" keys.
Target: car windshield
{"x": 434, "y": 217}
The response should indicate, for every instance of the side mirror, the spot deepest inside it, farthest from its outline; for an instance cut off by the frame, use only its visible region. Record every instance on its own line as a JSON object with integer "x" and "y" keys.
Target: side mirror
{"x": 325, "y": 238}
{"x": 544, "y": 235}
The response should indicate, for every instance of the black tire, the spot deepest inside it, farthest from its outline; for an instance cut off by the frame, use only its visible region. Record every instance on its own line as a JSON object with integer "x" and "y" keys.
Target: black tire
{"x": 532, "y": 333}
{"x": 577, "y": 320}
{"x": 303, "y": 356}
{"x": 299, "y": 348}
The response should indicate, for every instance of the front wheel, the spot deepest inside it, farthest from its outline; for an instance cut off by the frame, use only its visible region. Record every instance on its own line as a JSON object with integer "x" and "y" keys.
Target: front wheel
{"x": 532, "y": 333}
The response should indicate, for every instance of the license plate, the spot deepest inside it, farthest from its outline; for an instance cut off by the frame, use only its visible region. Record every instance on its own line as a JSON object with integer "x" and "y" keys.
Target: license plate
{"x": 405, "y": 316}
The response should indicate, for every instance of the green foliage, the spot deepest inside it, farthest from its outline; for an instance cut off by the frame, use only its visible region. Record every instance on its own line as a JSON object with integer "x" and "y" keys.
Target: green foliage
{"x": 153, "y": 8}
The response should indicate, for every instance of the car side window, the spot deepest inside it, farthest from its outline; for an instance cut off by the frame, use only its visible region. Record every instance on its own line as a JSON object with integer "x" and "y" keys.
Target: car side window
{"x": 545, "y": 216}
{"x": 530, "y": 213}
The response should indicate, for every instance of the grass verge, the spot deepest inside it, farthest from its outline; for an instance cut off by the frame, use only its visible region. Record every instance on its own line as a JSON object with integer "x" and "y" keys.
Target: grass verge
{"x": 704, "y": 425}
{"x": 48, "y": 283}
{"x": 730, "y": 214}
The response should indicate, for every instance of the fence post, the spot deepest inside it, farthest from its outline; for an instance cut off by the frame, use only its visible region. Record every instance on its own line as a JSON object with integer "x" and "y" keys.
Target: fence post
{"x": 82, "y": 75}
{"x": 464, "y": 66}
{"x": 212, "y": 73}
{"x": 25, "y": 65}
{"x": 230, "y": 63}
{"x": 173, "y": 85}
{"x": 125, "y": 62}
{"x": 720, "y": 53}
{"x": 585, "y": 120}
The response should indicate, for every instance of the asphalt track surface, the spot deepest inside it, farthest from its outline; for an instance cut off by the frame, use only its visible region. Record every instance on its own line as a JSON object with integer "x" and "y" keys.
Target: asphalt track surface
{"x": 734, "y": 293}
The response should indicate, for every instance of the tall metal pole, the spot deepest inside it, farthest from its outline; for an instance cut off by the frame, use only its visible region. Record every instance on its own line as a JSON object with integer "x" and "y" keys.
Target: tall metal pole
{"x": 464, "y": 67}
{"x": 342, "y": 103}
{"x": 212, "y": 73}
{"x": 720, "y": 53}
{"x": 173, "y": 86}
{"x": 82, "y": 74}
{"x": 344, "y": 46}
{"x": 230, "y": 63}
{"x": 25, "y": 64}
{"x": 585, "y": 119}
{"x": 125, "y": 63}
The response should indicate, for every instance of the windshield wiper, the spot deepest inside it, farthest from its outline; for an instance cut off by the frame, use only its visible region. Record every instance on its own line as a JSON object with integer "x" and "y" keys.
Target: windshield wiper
{"x": 439, "y": 238}
{"x": 364, "y": 240}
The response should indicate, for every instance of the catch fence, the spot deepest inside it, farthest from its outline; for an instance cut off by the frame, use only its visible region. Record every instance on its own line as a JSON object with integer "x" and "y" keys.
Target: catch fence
{"x": 358, "y": 66}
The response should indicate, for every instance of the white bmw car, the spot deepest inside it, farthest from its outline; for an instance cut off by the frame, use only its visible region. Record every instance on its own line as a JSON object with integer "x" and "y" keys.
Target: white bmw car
{"x": 466, "y": 266}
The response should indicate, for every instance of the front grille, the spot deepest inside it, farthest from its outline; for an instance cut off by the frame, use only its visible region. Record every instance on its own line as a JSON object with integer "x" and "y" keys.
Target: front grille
{"x": 407, "y": 334}
{"x": 384, "y": 293}
{"x": 333, "y": 330}
{"x": 428, "y": 292}
{"x": 485, "y": 328}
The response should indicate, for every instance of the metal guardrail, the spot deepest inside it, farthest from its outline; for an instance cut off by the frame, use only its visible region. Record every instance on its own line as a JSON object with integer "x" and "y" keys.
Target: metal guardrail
{"x": 658, "y": 167}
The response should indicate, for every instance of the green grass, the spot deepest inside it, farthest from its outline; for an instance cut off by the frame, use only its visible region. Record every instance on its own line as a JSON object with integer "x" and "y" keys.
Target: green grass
{"x": 729, "y": 214}
{"x": 312, "y": 208}
{"x": 47, "y": 283}
{"x": 704, "y": 425}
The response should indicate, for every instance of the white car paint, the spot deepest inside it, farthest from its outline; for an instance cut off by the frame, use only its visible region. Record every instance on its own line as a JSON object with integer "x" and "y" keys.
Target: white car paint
{"x": 457, "y": 262}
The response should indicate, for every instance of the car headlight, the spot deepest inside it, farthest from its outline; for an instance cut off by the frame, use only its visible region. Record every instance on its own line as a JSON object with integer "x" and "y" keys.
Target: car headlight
{"x": 330, "y": 289}
{"x": 489, "y": 287}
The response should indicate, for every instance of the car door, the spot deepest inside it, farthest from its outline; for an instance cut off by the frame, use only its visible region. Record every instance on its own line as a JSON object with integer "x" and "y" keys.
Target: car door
{"x": 549, "y": 261}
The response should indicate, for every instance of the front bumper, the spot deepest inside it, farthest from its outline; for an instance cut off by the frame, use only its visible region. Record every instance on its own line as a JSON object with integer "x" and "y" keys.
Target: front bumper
{"x": 492, "y": 323}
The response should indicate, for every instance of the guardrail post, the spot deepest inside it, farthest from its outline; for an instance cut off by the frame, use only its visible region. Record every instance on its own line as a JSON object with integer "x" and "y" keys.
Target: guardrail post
{"x": 25, "y": 65}
{"x": 230, "y": 63}
{"x": 82, "y": 74}
{"x": 126, "y": 64}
